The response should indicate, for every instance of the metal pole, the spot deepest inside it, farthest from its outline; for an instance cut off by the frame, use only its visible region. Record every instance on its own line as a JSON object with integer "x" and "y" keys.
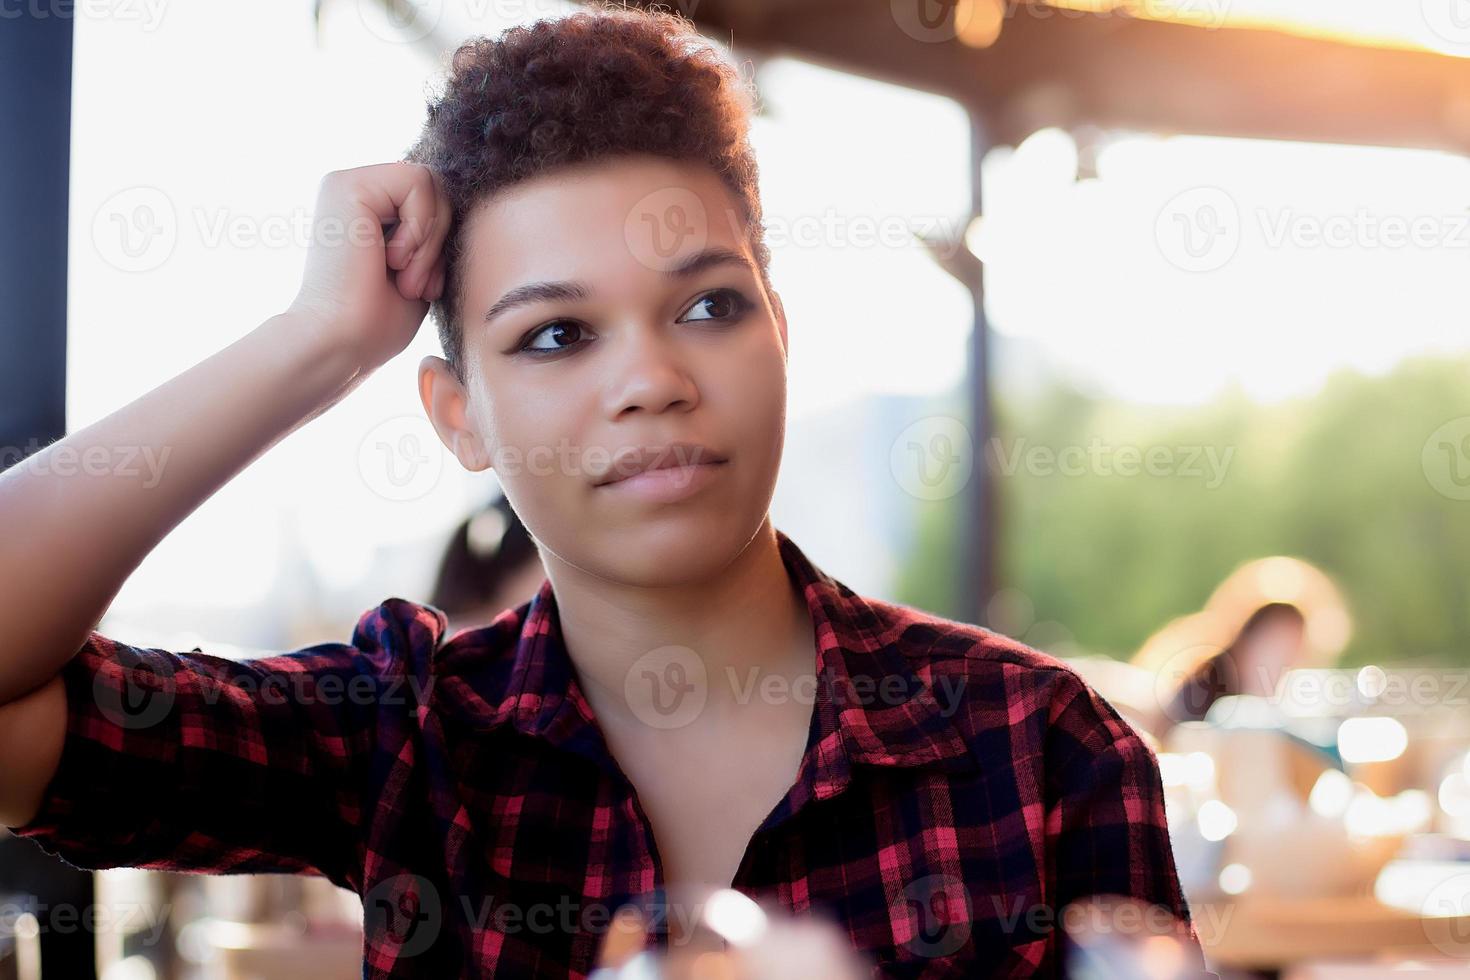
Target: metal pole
{"x": 35, "y": 149}
{"x": 35, "y": 154}
{"x": 978, "y": 545}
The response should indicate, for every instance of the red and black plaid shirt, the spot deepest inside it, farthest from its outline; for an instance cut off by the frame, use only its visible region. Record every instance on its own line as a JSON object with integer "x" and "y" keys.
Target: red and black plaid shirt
{"x": 958, "y": 789}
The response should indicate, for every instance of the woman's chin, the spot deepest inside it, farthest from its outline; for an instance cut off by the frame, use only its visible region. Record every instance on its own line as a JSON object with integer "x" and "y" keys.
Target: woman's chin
{"x": 672, "y": 549}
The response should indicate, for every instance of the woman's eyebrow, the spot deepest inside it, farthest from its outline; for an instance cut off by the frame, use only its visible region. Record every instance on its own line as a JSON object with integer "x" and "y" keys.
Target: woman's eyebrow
{"x": 568, "y": 291}
{"x": 704, "y": 259}
{"x": 538, "y": 292}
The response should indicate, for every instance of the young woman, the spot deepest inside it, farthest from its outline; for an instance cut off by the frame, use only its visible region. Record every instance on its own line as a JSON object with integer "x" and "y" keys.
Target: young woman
{"x": 1269, "y": 616}
{"x": 686, "y": 700}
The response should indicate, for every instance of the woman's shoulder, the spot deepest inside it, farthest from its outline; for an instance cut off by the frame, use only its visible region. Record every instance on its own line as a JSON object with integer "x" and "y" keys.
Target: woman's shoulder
{"x": 1001, "y": 680}
{"x": 928, "y": 639}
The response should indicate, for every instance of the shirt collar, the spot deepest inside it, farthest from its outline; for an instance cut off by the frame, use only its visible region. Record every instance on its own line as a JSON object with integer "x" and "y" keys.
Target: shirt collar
{"x": 876, "y": 703}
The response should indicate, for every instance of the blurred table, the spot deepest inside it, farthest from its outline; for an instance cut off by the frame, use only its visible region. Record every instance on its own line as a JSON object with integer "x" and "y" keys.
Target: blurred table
{"x": 1377, "y": 970}
{"x": 257, "y": 951}
{"x": 1267, "y": 934}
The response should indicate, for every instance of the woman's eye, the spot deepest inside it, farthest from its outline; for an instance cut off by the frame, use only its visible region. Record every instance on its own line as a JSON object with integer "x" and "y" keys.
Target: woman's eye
{"x": 718, "y": 304}
{"x": 561, "y": 330}
{"x": 560, "y": 335}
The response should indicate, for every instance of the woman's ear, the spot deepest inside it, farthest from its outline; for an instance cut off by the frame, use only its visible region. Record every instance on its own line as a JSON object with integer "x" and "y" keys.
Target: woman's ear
{"x": 780, "y": 309}
{"x": 446, "y": 403}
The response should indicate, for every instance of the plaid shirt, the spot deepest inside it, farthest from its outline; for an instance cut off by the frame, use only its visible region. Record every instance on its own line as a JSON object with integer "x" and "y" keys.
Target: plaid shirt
{"x": 958, "y": 789}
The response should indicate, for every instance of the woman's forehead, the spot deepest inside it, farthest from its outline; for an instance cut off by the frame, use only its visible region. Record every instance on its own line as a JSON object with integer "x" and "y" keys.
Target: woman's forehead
{"x": 620, "y": 216}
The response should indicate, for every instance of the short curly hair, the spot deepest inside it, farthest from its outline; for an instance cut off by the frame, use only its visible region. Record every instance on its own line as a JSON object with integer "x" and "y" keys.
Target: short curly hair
{"x": 599, "y": 83}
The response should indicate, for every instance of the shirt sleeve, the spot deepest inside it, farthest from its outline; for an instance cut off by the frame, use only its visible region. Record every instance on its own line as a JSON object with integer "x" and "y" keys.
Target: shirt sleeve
{"x": 1106, "y": 830}
{"x": 191, "y": 762}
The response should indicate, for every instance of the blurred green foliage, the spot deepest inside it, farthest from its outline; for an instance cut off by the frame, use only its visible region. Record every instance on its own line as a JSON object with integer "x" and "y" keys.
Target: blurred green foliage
{"x": 1341, "y": 479}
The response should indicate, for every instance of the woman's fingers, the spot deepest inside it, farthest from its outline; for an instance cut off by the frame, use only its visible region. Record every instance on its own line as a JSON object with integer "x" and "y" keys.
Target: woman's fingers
{"x": 409, "y": 195}
{"x": 424, "y": 261}
{"x": 626, "y": 935}
{"x": 400, "y": 247}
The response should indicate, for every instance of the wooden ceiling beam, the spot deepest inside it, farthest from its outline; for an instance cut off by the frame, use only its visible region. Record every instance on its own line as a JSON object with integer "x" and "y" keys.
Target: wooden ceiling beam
{"x": 1117, "y": 72}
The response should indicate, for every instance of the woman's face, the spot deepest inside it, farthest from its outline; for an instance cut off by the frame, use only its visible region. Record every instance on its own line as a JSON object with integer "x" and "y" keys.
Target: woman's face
{"x": 1273, "y": 647}
{"x": 625, "y": 340}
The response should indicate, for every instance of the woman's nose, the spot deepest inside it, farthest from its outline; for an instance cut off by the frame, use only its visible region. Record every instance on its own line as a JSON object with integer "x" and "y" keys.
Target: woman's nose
{"x": 648, "y": 375}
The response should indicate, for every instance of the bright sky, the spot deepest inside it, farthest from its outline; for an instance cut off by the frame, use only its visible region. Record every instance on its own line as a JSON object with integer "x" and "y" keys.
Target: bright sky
{"x": 1188, "y": 263}
{"x": 199, "y": 138}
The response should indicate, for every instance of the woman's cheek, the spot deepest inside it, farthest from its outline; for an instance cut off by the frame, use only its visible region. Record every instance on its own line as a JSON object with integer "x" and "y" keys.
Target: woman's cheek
{"x": 754, "y": 408}
{"x": 765, "y": 377}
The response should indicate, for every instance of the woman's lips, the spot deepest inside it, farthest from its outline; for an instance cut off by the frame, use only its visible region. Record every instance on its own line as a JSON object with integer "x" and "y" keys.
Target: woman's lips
{"x": 668, "y": 484}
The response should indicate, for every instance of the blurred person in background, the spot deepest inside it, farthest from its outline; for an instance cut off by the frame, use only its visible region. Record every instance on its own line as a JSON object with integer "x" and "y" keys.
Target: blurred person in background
{"x": 1264, "y": 783}
{"x": 1269, "y": 616}
{"x": 490, "y": 564}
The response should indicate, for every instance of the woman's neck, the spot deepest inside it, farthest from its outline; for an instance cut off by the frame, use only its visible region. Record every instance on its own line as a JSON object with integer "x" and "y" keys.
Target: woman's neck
{"x": 743, "y": 626}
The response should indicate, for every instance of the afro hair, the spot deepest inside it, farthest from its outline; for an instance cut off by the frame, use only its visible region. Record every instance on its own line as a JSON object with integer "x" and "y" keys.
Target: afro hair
{"x": 599, "y": 83}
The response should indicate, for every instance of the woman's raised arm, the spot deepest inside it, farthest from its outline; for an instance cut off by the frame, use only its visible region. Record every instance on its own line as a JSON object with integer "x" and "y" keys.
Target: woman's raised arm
{"x": 77, "y": 517}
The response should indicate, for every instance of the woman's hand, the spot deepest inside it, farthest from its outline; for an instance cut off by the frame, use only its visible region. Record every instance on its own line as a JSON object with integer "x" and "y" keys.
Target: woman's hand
{"x": 366, "y": 290}
{"x": 788, "y": 949}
